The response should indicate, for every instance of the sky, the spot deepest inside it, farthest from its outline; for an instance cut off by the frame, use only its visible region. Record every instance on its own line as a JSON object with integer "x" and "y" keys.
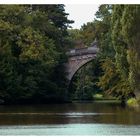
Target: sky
{"x": 81, "y": 13}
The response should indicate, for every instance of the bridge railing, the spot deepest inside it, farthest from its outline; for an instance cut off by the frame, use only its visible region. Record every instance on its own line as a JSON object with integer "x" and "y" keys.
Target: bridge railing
{"x": 82, "y": 51}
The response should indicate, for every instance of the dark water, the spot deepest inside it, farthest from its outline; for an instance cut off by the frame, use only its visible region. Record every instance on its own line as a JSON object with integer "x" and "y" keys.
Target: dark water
{"x": 69, "y": 119}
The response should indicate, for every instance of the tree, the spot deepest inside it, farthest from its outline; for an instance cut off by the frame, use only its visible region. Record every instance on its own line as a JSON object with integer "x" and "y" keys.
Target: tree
{"x": 32, "y": 45}
{"x": 131, "y": 34}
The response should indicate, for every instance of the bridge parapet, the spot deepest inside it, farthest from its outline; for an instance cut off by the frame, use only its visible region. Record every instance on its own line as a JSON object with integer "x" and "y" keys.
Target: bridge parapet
{"x": 82, "y": 51}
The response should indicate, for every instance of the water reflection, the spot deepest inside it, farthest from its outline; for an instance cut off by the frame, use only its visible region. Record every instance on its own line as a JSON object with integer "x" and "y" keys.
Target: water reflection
{"x": 76, "y": 113}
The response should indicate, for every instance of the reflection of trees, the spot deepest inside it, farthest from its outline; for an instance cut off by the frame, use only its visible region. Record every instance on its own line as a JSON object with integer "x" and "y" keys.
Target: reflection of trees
{"x": 80, "y": 113}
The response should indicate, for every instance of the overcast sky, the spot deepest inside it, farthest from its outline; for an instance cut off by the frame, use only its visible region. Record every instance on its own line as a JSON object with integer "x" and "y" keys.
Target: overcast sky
{"x": 81, "y": 13}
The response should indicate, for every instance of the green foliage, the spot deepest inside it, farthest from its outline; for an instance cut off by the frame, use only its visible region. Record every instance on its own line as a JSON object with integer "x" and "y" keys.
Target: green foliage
{"x": 32, "y": 40}
{"x": 125, "y": 34}
{"x": 131, "y": 34}
{"x": 132, "y": 102}
{"x": 98, "y": 96}
{"x": 119, "y": 76}
{"x": 116, "y": 29}
{"x": 88, "y": 32}
{"x": 75, "y": 38}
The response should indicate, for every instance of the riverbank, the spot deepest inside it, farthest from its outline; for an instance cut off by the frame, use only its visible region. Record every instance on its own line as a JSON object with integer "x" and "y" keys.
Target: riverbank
{"x": 98, "y": 101}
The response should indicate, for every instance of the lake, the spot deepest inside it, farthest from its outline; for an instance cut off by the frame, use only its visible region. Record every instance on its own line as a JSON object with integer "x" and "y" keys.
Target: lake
{"x": 94, "y": 118}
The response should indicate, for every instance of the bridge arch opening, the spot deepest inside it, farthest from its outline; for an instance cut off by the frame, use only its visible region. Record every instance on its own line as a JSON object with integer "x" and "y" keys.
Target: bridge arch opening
{"x": 77, "y": 88}
{"x": 72, "y": 78}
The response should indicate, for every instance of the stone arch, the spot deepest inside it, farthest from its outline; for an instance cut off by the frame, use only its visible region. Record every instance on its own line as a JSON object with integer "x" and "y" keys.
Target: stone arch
{"x": 76, "y": 62}
{"x": 70, "y": 81}
{"x": 78, "y": 57}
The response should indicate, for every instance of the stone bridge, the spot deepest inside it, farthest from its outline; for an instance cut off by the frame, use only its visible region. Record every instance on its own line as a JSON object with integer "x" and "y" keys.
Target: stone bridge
{"x": 78, "y": 57}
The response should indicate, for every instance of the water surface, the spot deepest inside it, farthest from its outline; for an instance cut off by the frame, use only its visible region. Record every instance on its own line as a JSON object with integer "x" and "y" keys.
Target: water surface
{"x": 69, "y": 119}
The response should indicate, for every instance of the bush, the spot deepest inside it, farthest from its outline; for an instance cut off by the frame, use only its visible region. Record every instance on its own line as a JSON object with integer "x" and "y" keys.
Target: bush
{"x": 132, "y": 102}
{"x": 98, "y": 96}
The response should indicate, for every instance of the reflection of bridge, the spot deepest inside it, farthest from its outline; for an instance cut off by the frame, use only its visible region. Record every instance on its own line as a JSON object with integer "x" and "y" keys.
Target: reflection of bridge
{"x": 79, "y": 57}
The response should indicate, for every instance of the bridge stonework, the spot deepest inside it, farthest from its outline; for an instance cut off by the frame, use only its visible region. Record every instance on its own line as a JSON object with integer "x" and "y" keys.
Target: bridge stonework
{"x": 79, "y": 57}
